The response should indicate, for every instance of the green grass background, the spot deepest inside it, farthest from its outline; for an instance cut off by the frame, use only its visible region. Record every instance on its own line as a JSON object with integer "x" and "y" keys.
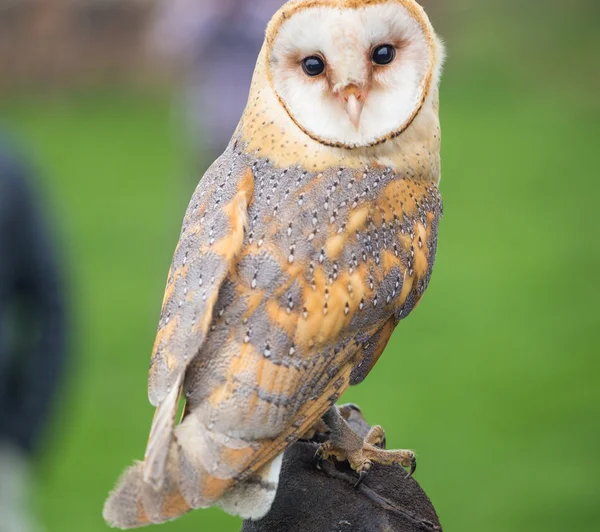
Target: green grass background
{"x": 495, "y": 378}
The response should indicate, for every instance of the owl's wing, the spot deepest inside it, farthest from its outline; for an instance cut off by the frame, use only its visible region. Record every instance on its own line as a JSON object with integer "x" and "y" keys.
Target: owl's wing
{"x": 331, "y": 263}
{"x": 210, "y": 241}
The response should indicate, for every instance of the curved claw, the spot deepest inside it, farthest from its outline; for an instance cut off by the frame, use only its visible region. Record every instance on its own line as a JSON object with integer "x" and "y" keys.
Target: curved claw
{"x": 318, "y": 458}
{"x": 413, "y": 467}
{"x": 361, "y": 476}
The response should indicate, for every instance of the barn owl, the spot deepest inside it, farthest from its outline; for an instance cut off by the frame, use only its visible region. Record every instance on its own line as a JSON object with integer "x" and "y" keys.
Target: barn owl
{"x": 303, "y": 246}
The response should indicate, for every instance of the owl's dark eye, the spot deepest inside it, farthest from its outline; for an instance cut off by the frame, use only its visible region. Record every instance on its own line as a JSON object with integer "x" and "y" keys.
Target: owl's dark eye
{"x": 384, "y": 54}
{"x": 313, "y": 65}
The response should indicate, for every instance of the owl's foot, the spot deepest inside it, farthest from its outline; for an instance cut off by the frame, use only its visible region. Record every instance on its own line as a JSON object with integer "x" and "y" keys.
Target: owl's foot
{"x": 345, "y": 444}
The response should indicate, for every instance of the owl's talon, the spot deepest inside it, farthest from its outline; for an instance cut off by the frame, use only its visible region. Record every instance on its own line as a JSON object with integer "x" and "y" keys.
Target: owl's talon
{"x": 345, "y": 444}
{"x": 318, "y": 458}
{"x": 324, "y": 452}
{"x": 361, "y": 476}
{"x": 413, "y": 467}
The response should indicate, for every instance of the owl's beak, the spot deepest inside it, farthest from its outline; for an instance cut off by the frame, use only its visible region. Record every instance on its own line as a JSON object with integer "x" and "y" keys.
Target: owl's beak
{"x": 354, "y": 109}
{"x": 353, "y": 100}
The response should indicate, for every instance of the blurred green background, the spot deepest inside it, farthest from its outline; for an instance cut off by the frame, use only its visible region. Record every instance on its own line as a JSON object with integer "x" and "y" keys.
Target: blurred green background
{"x": 495, "y": 378}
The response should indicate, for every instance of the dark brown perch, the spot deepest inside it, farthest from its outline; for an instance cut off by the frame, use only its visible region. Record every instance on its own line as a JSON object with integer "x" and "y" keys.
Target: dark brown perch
{"x": 310, "y": 500}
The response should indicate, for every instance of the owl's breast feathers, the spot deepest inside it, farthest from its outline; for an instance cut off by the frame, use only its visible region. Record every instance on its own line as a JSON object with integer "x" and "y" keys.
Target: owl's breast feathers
{"x": 284, "y": 290}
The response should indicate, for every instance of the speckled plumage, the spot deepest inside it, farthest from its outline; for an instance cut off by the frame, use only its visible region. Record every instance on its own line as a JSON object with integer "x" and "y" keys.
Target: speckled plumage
{"x": 296, "y": 261}
{"x": 326, "y": 257}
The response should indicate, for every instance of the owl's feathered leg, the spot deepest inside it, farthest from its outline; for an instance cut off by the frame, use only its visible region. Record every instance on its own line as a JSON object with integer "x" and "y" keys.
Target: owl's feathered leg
{"x": 319, "y": 432}
{"x": 345, "y": 444}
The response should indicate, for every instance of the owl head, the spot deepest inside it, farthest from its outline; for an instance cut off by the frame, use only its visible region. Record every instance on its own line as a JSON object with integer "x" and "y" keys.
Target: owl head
{"x": 351, "y": 73}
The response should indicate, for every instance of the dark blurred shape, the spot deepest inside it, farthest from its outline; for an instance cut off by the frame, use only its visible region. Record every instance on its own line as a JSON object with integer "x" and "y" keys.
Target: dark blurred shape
{"x": 221, "y": 40}
{"x": 32, "y": 333}
{"x": 310, "y": 500}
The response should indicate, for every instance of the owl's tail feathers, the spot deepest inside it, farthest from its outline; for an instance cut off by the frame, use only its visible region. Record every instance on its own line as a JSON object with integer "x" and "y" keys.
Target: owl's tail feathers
{"x": 121, "y": 509}
{"x": 201, "y": 469}
{"x": 134, "y": 503}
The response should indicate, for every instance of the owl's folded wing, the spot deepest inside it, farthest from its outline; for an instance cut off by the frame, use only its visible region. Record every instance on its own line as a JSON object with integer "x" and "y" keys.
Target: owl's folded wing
{"x": 211, "y": 239}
